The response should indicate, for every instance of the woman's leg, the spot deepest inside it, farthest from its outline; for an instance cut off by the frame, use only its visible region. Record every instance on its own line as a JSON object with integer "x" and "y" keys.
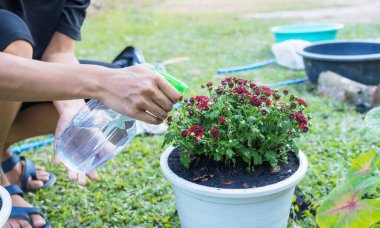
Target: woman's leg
{"x": 15, "y": 39}
{"x": 39, "y": 119}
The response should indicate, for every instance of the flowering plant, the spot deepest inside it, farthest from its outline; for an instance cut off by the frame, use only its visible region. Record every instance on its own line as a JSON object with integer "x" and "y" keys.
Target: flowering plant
{"x": 238, "y": 119}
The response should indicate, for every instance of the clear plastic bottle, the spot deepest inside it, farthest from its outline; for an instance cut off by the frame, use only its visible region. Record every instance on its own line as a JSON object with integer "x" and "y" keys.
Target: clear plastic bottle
{"x": 96, "y": 133}
{"x": 94, "y": 136}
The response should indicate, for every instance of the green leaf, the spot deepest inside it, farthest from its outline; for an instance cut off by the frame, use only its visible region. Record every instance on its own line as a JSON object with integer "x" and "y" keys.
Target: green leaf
{"x": 230, "y": 153}
{"x": 251, "y": 120}
{"x": 257, "y": 158}
{"x": 271, "y": 157}
{"x": 345, "y": 207}
{"x": 185, "y": 159}
{"x": 215, "y": 114}
{"x": 245, "y": 154}
{"x": 169, "y": 137}
{"x": 378, "y": 164}
{"x": 217, "y": 157}
{"x": 363, "y": 164}
{"x": 237, "y": 117}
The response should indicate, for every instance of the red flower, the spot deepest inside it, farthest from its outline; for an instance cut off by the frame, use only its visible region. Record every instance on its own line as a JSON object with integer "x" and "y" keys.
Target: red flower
{"x": 301, "y": 120}
{"x": 222, "y": 120}
{"x": 197, "y": 130}
{"x": 214, "y": 132}
{"x": 219, "y": 91}
{"x": 267, "y": 91}
{"x": 277, "y": 96}
{"x": 267, "y": 102}
{"x": 241, "y": 90}
{"x": 302, "y": 102}
{"x": 184, "y": 133}
{"x": 255, "y": 101}
{"x": 209, "y": 84}
{"x": 202, "y": 102}
{"x": 228, "y": 79}
{"x": 170, "y": 118}
{"x": 240, "y": 81}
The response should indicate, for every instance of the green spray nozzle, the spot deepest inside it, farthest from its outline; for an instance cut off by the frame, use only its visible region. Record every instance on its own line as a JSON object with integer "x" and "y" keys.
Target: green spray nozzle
{"x": 180, "y": 86}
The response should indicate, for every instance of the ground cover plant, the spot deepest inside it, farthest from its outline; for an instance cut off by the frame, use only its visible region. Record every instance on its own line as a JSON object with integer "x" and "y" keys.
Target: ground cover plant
{"x": 131, "y": 191}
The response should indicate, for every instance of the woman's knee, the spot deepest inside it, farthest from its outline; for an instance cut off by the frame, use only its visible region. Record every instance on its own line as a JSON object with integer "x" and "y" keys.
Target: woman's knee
{"x": 20, "y": 48}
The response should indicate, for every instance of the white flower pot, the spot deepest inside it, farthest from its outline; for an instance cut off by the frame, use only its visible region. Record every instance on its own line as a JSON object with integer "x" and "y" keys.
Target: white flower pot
{"x": 6, "y": 207}
{"x": 207, "y": 207}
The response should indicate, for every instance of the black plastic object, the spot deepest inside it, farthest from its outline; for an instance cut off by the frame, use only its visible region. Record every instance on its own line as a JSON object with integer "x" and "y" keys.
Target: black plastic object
{"x": 358, "y": 61}
{"x": 128, "y": 57}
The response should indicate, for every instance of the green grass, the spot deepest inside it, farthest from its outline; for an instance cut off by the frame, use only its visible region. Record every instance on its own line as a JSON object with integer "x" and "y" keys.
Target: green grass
{"x": 131, "y": 191}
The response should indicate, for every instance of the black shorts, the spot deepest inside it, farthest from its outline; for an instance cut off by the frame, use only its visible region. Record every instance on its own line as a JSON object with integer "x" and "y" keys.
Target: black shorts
{"x": 13, "y": 28}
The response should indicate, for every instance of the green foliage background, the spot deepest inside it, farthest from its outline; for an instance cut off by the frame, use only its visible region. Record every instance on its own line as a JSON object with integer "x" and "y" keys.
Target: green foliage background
{"x": 131, "y": 191}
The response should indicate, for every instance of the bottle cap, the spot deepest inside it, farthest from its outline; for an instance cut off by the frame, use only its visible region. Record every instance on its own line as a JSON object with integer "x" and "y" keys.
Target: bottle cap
{"x": 180, "y": 86}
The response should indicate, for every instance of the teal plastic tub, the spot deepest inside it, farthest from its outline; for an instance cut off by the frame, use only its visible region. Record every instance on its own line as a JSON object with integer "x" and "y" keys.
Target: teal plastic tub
{"x": 308, "y": 32}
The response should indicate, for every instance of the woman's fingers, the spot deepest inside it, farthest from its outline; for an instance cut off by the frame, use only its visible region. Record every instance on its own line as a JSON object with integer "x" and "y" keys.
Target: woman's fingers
{"x": 148, "y": 118}
{"x": 163, "y": 101}
{"x": 168, "y": 89}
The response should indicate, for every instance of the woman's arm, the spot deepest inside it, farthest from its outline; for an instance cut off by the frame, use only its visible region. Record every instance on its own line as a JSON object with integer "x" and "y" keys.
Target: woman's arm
{"x": 30, "y": 80}
{"x": 132, "y": 91}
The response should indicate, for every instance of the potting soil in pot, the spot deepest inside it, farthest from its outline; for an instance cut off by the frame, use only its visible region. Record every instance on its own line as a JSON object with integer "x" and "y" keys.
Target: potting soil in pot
{"x": 210, "y": 173}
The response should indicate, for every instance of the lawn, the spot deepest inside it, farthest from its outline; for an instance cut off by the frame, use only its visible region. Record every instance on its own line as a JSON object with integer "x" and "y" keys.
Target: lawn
{"x": 131, "y": 191}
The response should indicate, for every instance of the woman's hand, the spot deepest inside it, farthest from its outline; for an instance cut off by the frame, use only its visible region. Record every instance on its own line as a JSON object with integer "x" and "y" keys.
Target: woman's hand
{"x": 139, "y": 93}
{"x": 67, "y": 110}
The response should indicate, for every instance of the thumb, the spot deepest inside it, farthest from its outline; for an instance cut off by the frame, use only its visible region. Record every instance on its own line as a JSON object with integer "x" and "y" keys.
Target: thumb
{"x": 61, "y": 124}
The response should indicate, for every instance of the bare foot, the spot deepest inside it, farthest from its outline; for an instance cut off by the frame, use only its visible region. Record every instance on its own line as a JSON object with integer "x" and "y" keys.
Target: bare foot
{"x": 15, "y": 174}
{"x": 38, "y": 221}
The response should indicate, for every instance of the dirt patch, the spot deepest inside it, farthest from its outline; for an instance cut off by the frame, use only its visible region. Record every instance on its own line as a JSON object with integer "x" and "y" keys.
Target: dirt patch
{"x": 351, "y": 12}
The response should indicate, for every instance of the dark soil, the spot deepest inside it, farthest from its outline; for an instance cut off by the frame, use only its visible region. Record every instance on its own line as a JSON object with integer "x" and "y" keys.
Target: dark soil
{"x": 207, "y": 172}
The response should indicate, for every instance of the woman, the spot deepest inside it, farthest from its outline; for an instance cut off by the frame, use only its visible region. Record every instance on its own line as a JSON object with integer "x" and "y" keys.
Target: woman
{"x": 42, "y": 86}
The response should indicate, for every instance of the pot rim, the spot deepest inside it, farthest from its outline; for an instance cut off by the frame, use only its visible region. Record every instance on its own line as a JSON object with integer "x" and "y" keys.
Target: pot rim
{"x": 233, "y": 193}
{"x": 5, "y": 210}
{"x": 312, "y": 28}
{"x": 339, "y": 58}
